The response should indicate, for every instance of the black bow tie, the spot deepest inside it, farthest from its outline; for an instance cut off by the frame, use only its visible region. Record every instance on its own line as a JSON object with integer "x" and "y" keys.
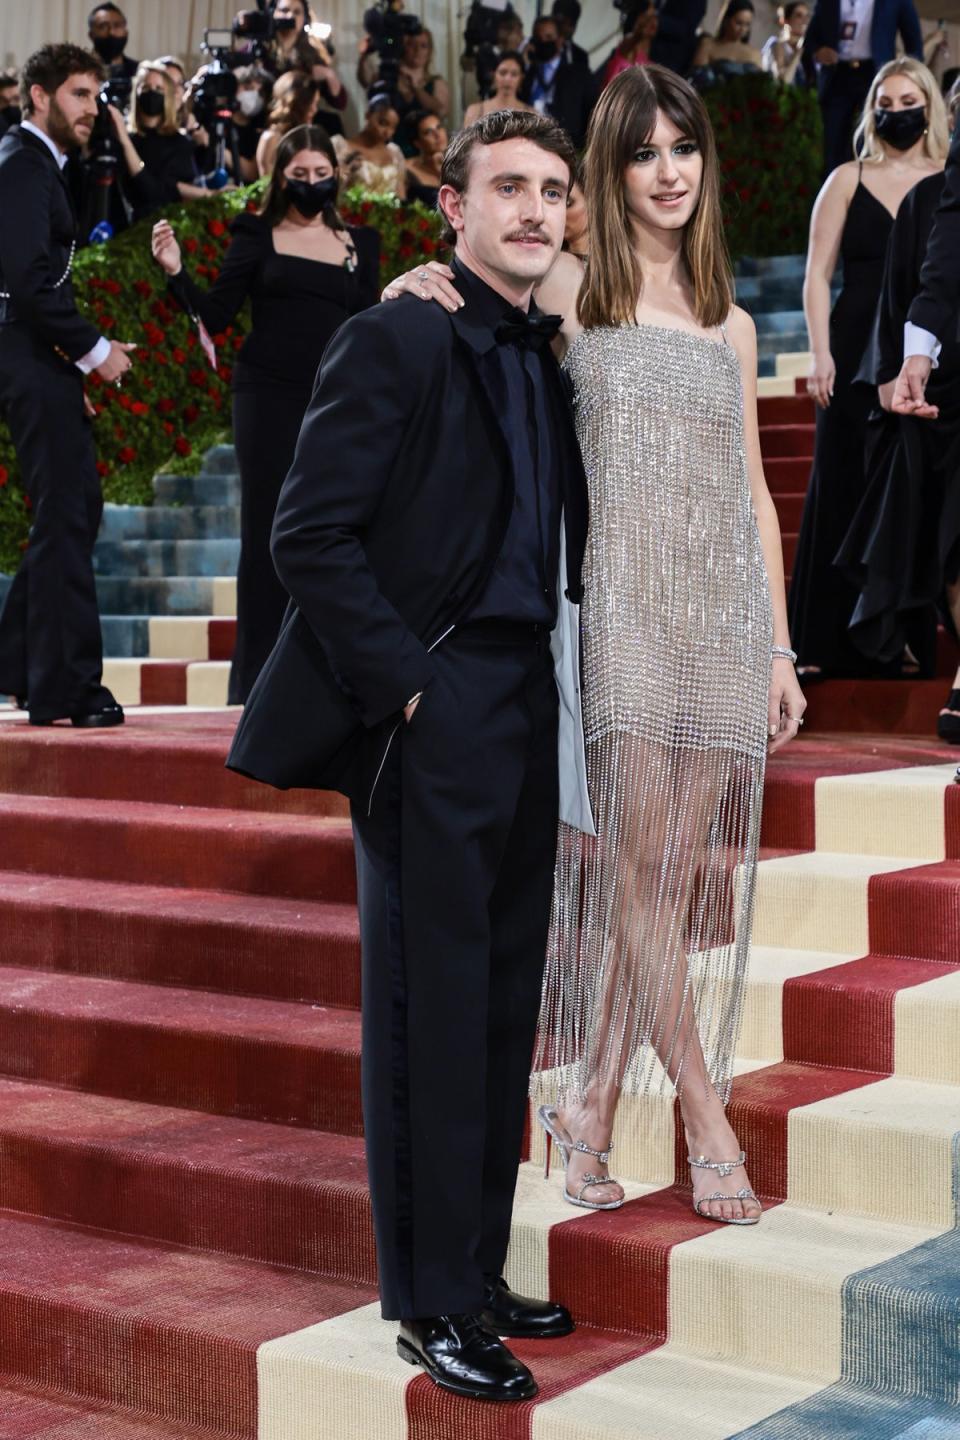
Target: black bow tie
{"x": 531, "y": 332}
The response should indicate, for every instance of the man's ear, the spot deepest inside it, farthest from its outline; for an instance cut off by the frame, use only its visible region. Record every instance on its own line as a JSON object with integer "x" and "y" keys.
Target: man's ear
{"x": 451, "y": 204}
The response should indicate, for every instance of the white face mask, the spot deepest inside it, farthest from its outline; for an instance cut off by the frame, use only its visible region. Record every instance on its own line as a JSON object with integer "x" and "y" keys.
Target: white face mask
{"x": 250, "y": 102}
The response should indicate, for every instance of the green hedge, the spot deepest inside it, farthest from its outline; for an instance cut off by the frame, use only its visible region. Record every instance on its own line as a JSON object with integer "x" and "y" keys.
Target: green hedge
{"x": 770, "y": 142}
{"x": 173, "y": 406}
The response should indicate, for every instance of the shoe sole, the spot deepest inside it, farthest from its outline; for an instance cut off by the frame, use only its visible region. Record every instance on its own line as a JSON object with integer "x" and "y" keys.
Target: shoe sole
{"x": 534, "y": 1334}
{"x": 412, "y": 1357}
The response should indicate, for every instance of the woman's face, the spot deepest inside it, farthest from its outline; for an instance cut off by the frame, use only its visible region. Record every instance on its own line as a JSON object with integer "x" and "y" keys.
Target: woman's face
{"x": 416, "y": 51}
{"x": 899, "y": 92}
{"x": 737, "y": 25}
{"x": 662, "y": 182}
{"x": 431, "y": 137}
{"x": 507, "y": 77}
{"x": 286, "y": 8}
{"x": 382, "y": 124}
{"x": 799, "y": 20}
{"x": 576, "y": 226}
{"x": 309, "y": 165}
{"x": 645, "y": 25}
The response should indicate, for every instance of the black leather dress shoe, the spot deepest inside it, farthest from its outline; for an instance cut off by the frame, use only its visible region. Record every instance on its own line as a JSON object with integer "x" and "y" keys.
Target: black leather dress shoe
{"x": 460, "y": 1354}
{"x": 520, "y": 1318}
{"x": 99, "y": 719}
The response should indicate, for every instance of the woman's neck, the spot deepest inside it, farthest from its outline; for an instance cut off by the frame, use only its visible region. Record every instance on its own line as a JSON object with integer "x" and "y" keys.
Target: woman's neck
{"x": 296, "y": 221}
{"x": 660, "y": 257}
{"x": 915, "y": 158}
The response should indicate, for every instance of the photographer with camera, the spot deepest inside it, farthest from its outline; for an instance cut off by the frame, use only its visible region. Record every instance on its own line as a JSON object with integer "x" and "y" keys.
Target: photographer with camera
{"x": 371, "y": 159}
{"x": 279, "y": 37}
{"x": 295, "y": 102}
{"x": 158, "y": 157}
{"x": 254, "y": 94}
{"x": 296, "y": 308}
{"x": 50, "y": 647}
{"x": 109, "y": 36}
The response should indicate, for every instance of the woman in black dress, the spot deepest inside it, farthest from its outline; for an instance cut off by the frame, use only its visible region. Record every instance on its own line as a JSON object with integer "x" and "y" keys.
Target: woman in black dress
{"x": 904, "y": 139}
{"x": 305, "y": 273}
{"x": 903, "y": 548}
{"x": 158, "y": 166}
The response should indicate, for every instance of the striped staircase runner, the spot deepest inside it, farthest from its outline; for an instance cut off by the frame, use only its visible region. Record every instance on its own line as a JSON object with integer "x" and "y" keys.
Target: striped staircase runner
{"x": 185, "y": 1237}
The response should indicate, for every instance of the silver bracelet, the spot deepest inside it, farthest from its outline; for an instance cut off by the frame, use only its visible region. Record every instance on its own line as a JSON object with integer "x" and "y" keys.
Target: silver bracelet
{"x": 783, "y": 652}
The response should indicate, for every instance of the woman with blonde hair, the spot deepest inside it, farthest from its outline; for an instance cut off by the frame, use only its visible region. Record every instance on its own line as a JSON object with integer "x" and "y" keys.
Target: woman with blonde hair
{"x": 901, "y": 139}
{"x": 688, "y": 681}
{"x": 158, "y": 157}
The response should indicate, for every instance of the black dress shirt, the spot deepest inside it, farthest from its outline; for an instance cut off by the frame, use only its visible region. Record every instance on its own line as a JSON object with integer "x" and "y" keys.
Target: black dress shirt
{"x": 523, "y": 586}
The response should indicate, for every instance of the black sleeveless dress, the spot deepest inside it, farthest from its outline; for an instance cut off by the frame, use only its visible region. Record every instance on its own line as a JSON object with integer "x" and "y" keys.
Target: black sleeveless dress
{"x": 822, "y": 598}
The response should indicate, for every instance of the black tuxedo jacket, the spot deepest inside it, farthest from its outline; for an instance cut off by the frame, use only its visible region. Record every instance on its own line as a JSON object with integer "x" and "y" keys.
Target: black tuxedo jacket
{"x": 387, "y": 528}
{"x": 937, "y": 303}
{"x": 37, "y": 227}
{"x": 574, "y": 94}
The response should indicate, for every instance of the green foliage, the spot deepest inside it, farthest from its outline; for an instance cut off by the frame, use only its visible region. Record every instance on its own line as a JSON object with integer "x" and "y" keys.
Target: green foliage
{"x": 770, "y": 142}
{"x": 174, "y": 406}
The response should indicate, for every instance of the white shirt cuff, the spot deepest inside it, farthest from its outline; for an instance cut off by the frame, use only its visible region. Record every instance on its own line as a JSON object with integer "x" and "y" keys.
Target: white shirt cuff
{"x": 94, "y": 357}
{"x": 917, "y": 341}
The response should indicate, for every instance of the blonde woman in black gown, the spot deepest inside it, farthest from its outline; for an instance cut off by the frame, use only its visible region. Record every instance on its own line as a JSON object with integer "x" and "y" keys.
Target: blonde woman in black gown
{"x": 688, "y": 681}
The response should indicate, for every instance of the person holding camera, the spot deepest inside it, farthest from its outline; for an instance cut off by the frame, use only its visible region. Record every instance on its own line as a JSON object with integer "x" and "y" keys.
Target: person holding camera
{"x": 295, "y": 48}
{"x": 158, "y": 157}
{"x": 51, "y": 654}
{"x": 304, "y": 272}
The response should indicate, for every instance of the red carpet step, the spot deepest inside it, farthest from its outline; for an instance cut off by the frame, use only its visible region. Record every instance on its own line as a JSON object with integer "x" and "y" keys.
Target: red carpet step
{"x": 32, "y": 1414}
{"x": 786, "y": 475}
{"x": 241, "y": 945}
{"x": 785, "y": 410}
{"x": 795, "y": 441}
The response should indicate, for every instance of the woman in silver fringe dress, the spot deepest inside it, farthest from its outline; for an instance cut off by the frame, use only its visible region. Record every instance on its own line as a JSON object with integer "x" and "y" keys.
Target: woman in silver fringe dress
{"x": 688, "y": 679}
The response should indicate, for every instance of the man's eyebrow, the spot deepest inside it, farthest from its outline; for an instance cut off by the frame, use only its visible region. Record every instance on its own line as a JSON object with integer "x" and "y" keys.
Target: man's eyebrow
{"x": 516, "y": 179}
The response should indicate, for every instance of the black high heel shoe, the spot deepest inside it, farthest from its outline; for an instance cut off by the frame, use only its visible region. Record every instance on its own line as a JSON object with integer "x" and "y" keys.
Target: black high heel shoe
{"x": 948, "y": 721}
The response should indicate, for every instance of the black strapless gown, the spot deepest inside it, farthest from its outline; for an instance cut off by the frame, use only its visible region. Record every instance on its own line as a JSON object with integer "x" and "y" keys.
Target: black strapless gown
{"x": 822, "y": 597}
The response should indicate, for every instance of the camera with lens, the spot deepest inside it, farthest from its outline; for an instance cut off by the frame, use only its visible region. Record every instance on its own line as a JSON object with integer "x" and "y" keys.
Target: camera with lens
{"x": 387, "y": 29}
{"x": 214, "y": 98}
{"x": 258, "y": 27}
{"x": 102, "y": 163}
{"x": 481, "y": 41}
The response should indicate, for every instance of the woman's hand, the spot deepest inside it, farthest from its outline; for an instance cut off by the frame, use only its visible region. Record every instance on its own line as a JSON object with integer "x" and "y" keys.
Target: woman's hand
{"x": 785, "y": 706}
{"x": 165, "y": 249}
{"x": 820, "y": 380}
{"x": 433, "y": 281}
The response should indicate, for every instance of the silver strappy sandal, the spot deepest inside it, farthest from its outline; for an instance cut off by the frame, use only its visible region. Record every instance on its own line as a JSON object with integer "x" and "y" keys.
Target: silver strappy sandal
{"x": 723, "y": 1168}
{"x": 557, "y": 1135}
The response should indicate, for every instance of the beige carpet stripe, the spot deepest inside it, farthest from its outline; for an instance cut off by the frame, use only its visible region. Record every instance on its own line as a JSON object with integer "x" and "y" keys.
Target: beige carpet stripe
{"x": 891, "y": 812}
{"x": 668, "y": 1395}
{"x": 818, "y": 901}
{"x": 334, "y": 1381}
{"x": 769, "y": 1295}
{"x": 179, "y": 637}
{"x": 927, "y": 1032}
{"x": 884, "y": 1151}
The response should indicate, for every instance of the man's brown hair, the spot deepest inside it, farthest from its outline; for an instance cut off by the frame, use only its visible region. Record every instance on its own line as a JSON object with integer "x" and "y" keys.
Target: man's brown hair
{"x": 490, "y": 130}
{"x": 51, "y": 65}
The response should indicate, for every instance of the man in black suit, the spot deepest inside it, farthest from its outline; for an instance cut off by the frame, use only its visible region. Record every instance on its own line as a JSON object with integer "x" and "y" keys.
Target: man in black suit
{"x": 567, "y": 15}
{"x": 436, "y": 500}
{"x": 50, "y": 646}
{"x": 110, "y": 36}
{"x": 850, "y": 40}
{"x": 935, "y": 310}
{"x": 554, "y": 86}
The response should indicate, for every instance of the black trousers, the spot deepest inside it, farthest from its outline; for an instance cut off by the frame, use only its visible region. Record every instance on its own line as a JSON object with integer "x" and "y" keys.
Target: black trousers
{"x": 266, "y": 423}
{"x": 51, "y": 650}
{"x": 843, "y": 93}
{"x": 455, "y": 870}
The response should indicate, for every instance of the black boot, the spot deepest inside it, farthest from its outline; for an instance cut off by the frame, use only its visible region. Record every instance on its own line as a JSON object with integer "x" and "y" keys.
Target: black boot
{"x": 520, "y": 1318}
{"x": 460, "y": 1354}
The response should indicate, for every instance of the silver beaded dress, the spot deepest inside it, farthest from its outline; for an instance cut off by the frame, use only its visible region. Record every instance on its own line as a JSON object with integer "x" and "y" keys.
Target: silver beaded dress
{"x": 651, "y": 918}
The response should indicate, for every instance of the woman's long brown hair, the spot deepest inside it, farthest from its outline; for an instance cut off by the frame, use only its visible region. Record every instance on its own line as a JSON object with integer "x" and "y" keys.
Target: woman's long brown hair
{"x": 623, "y": 122}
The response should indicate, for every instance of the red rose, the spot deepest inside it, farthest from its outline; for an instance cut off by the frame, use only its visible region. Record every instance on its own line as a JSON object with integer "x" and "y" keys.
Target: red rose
{"x": 179, "y": 356}
{"x": 126, "y": 455}
{"x": 252, "y": 206}
{"x": 216, "y": 227}
{"x": 405, "y": 252}
{"x": 103, "y": 468}
{"x": 219, "y": 340}
{"x": 4, "y": 475}
{"x": 169, "y": 427}
{"x": 27, "y": 503}
{"x": 198, "y": 378}
{"x": 139, "y": 408}
{"x": 238, "y": 342}
{"x": 142, "y": 288}
{"x": 191, "y": 339}
{"x": 190, "y": 413}
{"x": 428, "y": 247}
{"x": 182, "y": 445}
{"x": 165, "y": 406}
{"x": 124, "y": 401}
{"x": 213, "y": 274}
{"x": 226, "y": 373}
{"x": 107, "y": 322}
{"x": 191, "y": 244}
{"x": 160, "y": 358}
{"x": 423, "y": 226}
{"x": 203, "y": 270}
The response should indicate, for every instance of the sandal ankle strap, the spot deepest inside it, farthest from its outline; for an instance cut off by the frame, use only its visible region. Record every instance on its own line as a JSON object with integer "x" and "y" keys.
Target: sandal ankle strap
{"x": 723, "y": 1167}
{"x": 602, "y": 1155}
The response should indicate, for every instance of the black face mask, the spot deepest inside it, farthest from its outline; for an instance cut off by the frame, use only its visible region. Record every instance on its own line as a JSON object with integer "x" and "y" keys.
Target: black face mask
{"x": 10, "y": 115}
{"x": 151, "y": 103}
{"x": 309, "y": 198}
{"x": 901, "y": 128}
{"x": 110, "y": 47}
{"x": 545, "y": 49}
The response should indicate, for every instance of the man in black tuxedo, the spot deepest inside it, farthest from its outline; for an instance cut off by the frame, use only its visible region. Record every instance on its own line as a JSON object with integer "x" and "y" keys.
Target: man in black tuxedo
{"x": 935, "y": 310}
{"x": 554, "y": 85}
{"x": 50, "y": 646}
{"x": 436, "y": 500}
{"x": 567, "y": 15}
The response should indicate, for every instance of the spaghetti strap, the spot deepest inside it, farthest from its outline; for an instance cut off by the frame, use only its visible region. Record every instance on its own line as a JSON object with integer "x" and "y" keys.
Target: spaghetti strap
{"x": 723, "y": 332}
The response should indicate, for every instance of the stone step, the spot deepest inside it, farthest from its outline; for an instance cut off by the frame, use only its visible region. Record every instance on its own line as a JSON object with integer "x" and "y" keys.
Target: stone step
{"x": 176, "y": 595}
{"x": 166, "y": 558}
{"x": 771, "y": 266}
{"x": 169, "y": 522}
{"x": 204, "y": 490}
